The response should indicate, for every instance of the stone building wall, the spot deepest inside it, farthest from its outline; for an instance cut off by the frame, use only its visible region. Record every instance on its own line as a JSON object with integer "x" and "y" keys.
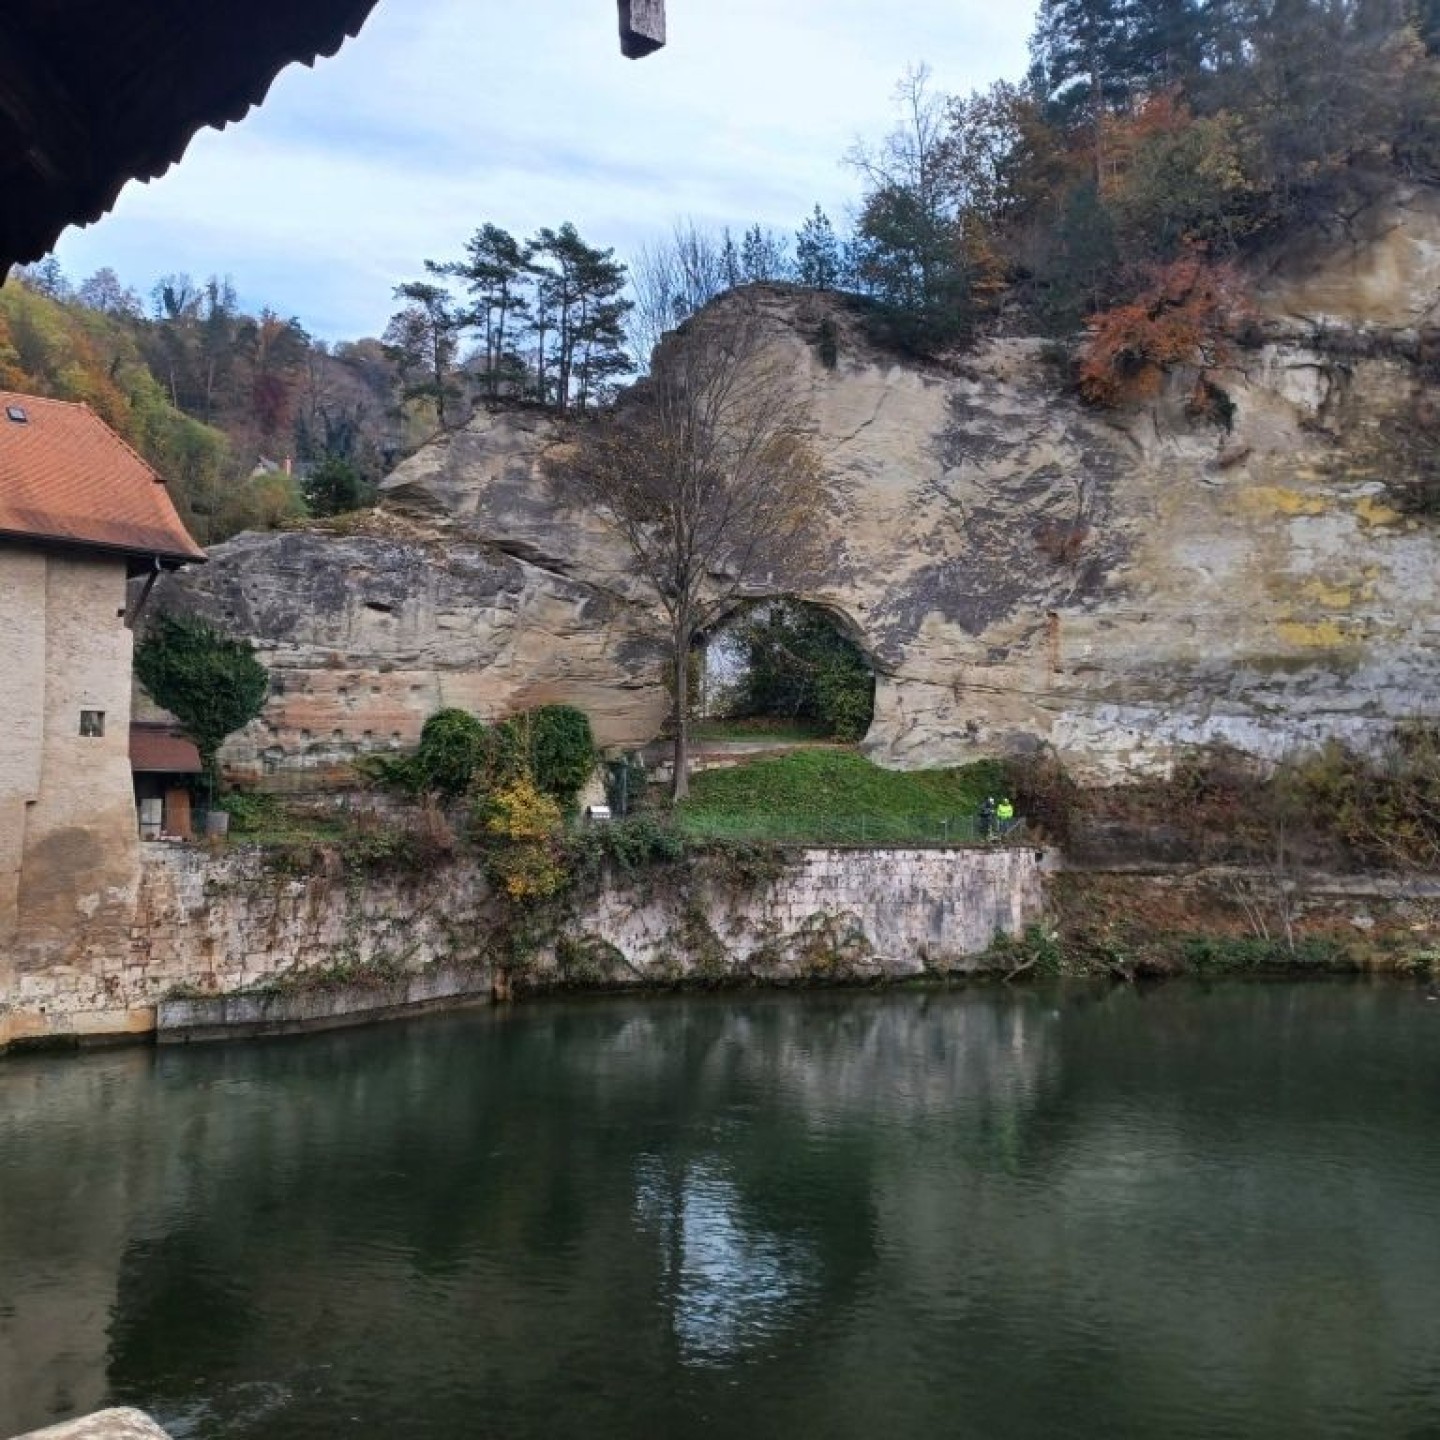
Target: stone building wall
{"x": 69, "y": 853}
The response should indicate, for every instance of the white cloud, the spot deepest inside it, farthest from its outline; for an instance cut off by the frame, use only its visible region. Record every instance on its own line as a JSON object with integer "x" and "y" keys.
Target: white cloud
{"x": 445, "y": 114}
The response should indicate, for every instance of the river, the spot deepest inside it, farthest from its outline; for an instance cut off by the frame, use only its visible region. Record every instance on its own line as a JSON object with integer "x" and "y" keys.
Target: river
{"x": 1179, "y": 1212}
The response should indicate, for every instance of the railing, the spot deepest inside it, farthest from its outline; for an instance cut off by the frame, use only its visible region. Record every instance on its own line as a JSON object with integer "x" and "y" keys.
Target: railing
{"x": 877, "y": 831}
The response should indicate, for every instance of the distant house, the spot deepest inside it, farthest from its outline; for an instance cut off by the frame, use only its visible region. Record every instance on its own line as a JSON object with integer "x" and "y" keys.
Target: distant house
{"x": 80, "y": 515}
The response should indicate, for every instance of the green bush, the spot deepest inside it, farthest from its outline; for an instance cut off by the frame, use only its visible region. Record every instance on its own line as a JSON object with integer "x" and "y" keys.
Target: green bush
{"x": 250, "y": 814}
{"x": 454, "y": 748}
{"x": 639, "y": 841}
{"x": 799, "y": 665}
{"x": 211, "y": 684}
{"x": 1239, "y": 954}
{"x": 554, "y": 746}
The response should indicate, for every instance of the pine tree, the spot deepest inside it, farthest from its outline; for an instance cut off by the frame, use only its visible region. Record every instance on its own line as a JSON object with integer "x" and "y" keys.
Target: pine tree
{"x": 1164, "y": 45}
{"x": 762, "y": 256}
{"x": 817, "y": 253}
{"x": 1082, "y": 64}
{"x": 578, "y": 317}
{"x": 494, "y": 273}
{"x": 423, "y": 340}
{"x": 730, "y": 261}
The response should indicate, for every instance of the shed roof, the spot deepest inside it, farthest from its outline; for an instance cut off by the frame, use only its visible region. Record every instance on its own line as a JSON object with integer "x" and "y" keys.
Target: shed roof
{"x": 162, "y": 750}
{"x": 67, "y": 478}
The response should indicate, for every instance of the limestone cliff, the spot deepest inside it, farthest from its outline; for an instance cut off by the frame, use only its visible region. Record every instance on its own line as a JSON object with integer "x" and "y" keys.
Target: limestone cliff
{"x": 1022, "y": 569}
{"x": 366, "y": 634}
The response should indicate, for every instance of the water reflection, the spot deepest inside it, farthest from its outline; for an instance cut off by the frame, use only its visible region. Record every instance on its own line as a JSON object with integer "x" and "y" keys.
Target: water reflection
{"x": 1180, "y": 1212}
{"x": 730, "y": 1286}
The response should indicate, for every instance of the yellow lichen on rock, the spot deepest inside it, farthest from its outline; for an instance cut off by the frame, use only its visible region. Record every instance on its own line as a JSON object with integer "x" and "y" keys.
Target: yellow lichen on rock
{"x": 1311, "y": 634}
{"x": 1280, "y": 500}
{"x": 1372, "y": 511}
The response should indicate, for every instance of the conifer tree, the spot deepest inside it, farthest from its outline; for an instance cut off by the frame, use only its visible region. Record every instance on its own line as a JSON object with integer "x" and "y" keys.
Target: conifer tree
{"x": 817, "y": 253}
{"x": 494, "y": 273}
{"x": 578, "y": 317}
{"x": 1079, "y": 63}
{"x": 909, "y": 252}
{"x": 423, "y": 339}
{"x": 762, "y": 256}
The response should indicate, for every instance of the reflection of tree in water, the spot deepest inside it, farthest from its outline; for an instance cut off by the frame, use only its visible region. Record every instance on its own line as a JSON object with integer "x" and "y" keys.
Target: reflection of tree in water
{"x": 502, "y": 1189}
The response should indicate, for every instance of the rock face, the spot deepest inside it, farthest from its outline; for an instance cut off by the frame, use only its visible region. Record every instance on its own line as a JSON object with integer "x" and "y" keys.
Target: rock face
{"x": 1022, "y": 570}
{"x": 366, "y": 635}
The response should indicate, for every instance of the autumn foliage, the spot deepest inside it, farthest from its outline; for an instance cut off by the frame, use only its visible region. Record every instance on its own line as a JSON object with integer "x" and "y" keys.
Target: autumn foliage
{"x": 1182, "y": 317}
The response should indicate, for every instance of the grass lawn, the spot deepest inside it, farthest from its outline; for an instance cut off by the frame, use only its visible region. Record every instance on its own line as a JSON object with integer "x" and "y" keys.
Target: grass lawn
{"x": 813, "y": 790}
{"x": 762, "y": 727}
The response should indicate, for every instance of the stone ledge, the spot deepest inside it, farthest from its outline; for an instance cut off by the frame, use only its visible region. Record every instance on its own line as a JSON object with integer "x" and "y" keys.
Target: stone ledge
{"x": 105, "y": 1425}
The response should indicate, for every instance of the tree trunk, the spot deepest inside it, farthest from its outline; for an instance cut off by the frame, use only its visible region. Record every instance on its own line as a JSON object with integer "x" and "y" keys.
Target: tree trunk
{"x": 680, "y": 784}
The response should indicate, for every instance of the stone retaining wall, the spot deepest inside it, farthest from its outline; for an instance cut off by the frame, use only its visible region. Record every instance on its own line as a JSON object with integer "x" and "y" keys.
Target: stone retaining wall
{"x": 214, "y": 925}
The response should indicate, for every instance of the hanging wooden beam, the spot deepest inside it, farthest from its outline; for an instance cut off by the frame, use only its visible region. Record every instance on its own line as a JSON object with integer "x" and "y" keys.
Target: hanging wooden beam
{"x": 642, "y": 27}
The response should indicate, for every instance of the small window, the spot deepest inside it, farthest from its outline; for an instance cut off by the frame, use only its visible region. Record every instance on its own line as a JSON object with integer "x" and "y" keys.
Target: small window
{"x": 92, "y": 724}
{"x": 16, "y": 415}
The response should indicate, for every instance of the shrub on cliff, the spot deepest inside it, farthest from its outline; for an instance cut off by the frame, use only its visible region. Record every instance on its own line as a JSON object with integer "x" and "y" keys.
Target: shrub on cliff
{"x": 454, "y": 749}
{"x": 555, "y": 746}
{"x": 524, "y": 830}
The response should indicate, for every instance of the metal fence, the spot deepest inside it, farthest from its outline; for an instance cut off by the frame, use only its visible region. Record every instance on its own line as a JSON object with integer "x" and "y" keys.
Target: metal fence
{"x": 882, "y": 831}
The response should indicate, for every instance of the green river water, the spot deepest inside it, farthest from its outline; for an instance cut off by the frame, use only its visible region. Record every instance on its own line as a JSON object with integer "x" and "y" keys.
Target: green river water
{"x": 1175, "y": 1212}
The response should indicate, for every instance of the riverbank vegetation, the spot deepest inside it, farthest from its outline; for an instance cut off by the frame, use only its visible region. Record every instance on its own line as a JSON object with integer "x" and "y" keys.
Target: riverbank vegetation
{"x": 1228, "y": 865}
{"x": 1217, "y": 869}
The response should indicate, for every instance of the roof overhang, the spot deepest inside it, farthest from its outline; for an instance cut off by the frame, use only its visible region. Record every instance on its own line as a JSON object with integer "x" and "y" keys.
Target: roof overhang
{"x": 162, "y": 750}
{"x": 137, "y": 562}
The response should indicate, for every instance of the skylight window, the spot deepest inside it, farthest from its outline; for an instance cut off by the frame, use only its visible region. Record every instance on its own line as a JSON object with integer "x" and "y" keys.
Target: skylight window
{"x": 16, "y": 415}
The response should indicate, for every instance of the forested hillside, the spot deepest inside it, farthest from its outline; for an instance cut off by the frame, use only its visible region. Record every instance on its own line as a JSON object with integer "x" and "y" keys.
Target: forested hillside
{"x": 245, "y": 416}
{"x": 1152, "y": 145}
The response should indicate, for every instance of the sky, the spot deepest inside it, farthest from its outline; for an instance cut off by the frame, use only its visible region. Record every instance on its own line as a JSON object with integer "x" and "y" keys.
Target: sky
{"x": 444, "y": 115}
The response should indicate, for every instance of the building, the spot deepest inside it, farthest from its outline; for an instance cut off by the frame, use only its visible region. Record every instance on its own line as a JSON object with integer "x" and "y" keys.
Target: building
{"x": 81, "y": 514}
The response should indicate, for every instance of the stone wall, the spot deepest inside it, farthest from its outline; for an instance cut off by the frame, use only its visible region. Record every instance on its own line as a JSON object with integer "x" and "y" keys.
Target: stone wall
{"x": 211, "y": 925}
{"x": 847, "y": 914}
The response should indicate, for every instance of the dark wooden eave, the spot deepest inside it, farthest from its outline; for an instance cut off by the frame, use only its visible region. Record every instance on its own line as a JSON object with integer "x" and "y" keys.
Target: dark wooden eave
{"x": 96, "y": 93}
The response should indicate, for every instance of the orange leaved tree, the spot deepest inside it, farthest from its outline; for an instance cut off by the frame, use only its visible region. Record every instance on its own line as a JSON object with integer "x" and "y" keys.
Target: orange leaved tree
{"x": 1182, "y": 317}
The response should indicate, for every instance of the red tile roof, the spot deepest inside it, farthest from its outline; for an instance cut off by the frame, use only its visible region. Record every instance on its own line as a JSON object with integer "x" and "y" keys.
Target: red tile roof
{"x": 67, "y": 477}
{"x": 162, "y": 750}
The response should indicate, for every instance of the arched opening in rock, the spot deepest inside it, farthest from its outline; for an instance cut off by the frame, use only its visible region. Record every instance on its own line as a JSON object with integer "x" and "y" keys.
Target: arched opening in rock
{"x": 786, "y": 664}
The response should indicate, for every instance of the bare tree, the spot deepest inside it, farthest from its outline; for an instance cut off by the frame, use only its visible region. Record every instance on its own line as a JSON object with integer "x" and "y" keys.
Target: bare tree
{"x": 673, "y": 278}
{"x": 705, "y": 473}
